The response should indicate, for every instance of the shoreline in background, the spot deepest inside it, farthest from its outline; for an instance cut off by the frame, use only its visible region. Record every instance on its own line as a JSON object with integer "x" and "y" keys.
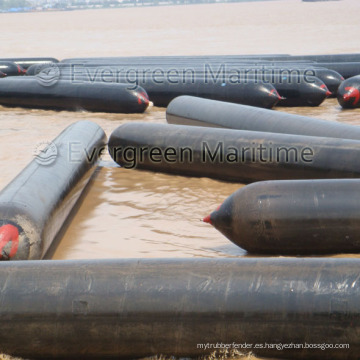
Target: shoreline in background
{"x": 25, "y": 6}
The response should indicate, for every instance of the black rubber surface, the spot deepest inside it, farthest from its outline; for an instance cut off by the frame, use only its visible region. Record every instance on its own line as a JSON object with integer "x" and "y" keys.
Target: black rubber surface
{"x": 138, "y": 308}
{"x": 34, "y": 206}
{"x": 232, "y": 155}
{"x": 51, "y": 93}
{"x": 187, "y": 110}
{"x": 293, "y": 217}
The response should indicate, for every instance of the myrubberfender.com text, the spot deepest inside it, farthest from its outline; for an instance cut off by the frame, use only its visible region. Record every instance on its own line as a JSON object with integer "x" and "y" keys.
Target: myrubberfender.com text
{"x": 274, "y": 346}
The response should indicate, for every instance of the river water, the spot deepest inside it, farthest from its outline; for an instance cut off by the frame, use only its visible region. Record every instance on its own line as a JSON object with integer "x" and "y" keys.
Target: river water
{"x": 128, "y": 213}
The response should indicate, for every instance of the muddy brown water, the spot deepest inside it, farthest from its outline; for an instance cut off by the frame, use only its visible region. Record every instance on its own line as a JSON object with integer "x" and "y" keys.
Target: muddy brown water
{"x": 142, "y": 214}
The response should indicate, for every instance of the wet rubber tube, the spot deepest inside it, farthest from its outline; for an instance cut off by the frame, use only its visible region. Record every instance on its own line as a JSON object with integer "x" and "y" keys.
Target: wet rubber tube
{"x": 64, "y": 95}
{"x": 11, "y": 69}
{"x": 162, "y": 89}
{"x": 301, "y": 91}
{"x": 168, "y": 59}
{"x": 37, "y": 68}
{"x": 232, "y": 155}
{"x": 188, "y": 110}
{"x": 34, "y": 206}
{"x": 297, "y": 90}
{"x": 306, "y": 217}
{"x": 346, "y": 69}
{"x": 330, "y": 58}
{"x": 275, "y": 57}
{"x": 25, "y": 63}
{"x": 139, "y": 308}
{"x": 165, "y": 61}
{"x": 221, "y": 72}
{"x": 349, "y": 93}
{"x": 330, "y": 78}
{"x": 346, "y": 64}
{"x": 354, "y": 57}
{"x": 250, "y": 93}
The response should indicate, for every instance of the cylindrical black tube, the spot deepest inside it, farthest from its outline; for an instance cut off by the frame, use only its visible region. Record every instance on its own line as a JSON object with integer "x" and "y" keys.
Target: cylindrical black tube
{"x": 296, "y": 91}
{"x": 50, "y": 93}
{"x": 183, "y": 308}
{"x": 37, "y": 68}
{"x": 25, "y": 63}
{"x": 330, "y": 58}
{"x": 245, "y": 85}
{"x": 188, "y": 110}
{"x": 346, "y": 69}
{"x": 222, "y": 71}
{"x": 11, "y": 69}
{"x": 330, "y": 78}
{"x": 349, "y": 93}
{"x": 167, "y": 56}
{"x": 249, "y": 93}
{"x": 164, "y": 87}
{"x": 300, "y": 91}
{"x": 347, "y": 66}
{"x": 34, "y": 206}
{"x": 276, "y": 57}
{"x": 293, "y": 217}
{"x": 232, "y": 155}
{"x": 204, "y": 66}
